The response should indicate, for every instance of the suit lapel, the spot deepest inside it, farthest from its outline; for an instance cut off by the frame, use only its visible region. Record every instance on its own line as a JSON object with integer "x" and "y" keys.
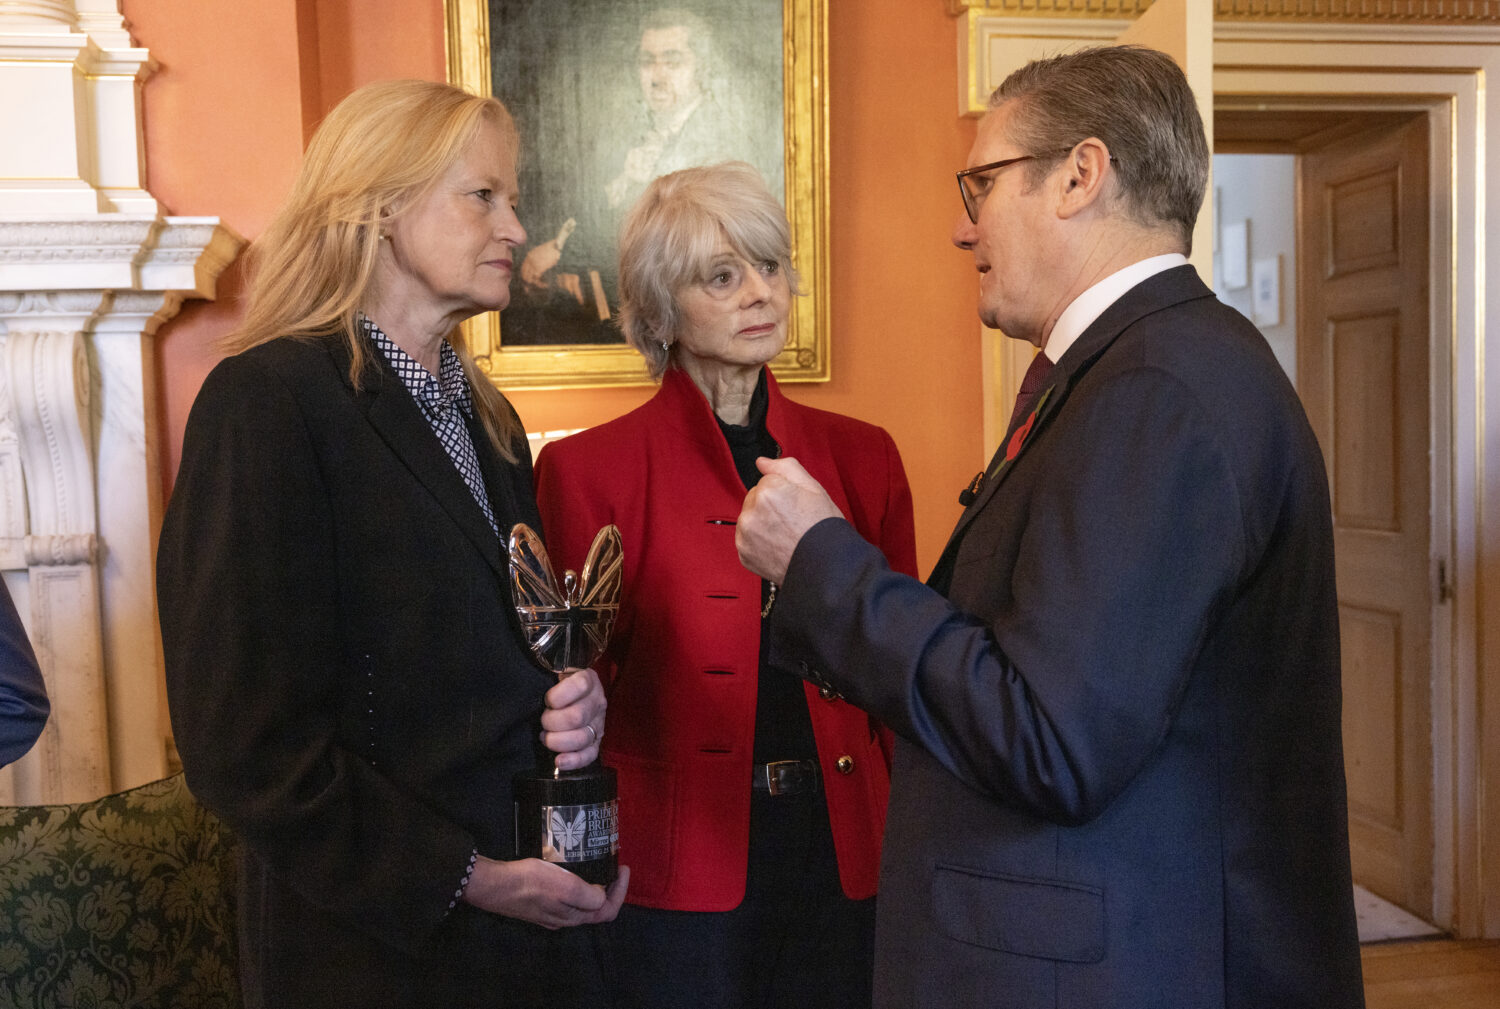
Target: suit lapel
{"x": 395, "y": 416}
{"x": 1021, "y": 435}
{"x": 1165, "y": 289}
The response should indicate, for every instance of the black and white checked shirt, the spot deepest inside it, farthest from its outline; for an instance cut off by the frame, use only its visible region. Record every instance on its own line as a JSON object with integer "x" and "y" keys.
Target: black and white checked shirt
{"x": 445, "y": 401}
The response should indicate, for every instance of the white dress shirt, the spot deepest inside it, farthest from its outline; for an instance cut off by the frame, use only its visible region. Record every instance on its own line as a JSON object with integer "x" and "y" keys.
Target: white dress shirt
{"x": 1088, "y": 306}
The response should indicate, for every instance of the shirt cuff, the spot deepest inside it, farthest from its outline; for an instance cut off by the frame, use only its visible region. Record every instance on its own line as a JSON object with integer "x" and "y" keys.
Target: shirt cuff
{"x": 463, "y": 884}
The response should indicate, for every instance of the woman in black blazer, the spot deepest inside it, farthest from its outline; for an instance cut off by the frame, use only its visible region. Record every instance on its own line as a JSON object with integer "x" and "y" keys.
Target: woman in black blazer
{"x": 349, "y": 686}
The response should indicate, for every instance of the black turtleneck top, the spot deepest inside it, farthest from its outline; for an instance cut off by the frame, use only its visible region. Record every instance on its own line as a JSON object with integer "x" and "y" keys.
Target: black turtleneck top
{"x": 783, "y": 728}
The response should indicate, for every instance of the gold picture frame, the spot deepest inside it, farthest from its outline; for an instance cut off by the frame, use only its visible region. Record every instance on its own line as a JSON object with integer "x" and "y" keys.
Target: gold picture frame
{"x": 804, "y": 123}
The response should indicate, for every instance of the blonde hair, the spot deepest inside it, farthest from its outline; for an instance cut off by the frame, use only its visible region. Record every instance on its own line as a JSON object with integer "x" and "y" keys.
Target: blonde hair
{"x": 670, "y": 238}
{"x": 376, "y": 153}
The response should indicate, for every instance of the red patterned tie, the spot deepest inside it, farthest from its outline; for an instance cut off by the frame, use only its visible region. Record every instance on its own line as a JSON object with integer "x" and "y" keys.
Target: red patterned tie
{"x": 1033, "y": 382}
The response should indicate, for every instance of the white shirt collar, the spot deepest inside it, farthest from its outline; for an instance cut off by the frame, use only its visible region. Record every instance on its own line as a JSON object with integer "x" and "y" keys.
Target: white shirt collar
{"x": 1088, "y": 306}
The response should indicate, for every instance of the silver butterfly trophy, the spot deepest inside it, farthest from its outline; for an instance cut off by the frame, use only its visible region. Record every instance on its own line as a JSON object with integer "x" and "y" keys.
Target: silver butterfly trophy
{"x": 568, "y": 817}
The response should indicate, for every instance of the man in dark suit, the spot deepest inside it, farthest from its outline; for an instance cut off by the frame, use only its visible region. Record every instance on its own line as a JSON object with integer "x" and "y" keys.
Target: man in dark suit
{"x": 1119, "y": 780}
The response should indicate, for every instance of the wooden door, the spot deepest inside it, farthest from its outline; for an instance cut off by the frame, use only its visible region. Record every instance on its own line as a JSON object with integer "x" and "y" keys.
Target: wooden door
{"x": 1362, "y": 367}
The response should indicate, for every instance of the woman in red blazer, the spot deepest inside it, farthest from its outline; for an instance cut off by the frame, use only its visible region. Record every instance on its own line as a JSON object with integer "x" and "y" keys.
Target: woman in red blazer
{"x": 751, "y": 805}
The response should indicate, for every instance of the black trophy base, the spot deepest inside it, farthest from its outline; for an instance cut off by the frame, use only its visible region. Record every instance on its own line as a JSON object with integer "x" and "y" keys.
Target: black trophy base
{"x": 571, "y": 820}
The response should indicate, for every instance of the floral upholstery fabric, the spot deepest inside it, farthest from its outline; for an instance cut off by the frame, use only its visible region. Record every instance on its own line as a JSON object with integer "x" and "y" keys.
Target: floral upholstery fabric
{"x": 124, "y": 901}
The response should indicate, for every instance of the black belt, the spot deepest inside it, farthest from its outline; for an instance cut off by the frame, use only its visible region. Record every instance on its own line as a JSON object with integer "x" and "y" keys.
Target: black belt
{"x": 785, "y": 777}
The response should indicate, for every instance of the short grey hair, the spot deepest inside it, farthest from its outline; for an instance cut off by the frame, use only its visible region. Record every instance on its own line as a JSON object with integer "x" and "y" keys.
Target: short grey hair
{"x": 671, "y": 236}
{"x": 1134, "y": 99}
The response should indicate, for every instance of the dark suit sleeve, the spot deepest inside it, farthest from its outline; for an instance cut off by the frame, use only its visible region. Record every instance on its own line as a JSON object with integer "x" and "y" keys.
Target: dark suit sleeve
{"x": 258, "y": 673}
{"x": 898, "y": 544}
{"x": 23, "y": 695}
{"x": 1132, "y": 540}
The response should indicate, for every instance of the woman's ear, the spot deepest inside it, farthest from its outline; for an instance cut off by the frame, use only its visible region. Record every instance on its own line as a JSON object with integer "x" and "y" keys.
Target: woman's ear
{"x": 384, "y": 218}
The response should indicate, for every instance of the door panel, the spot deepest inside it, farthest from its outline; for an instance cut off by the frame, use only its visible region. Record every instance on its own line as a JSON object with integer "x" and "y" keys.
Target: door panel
{"x": 1362, "y": 368}
{"x": 1365, "y": 460}
{"x": 1364, "y": 223}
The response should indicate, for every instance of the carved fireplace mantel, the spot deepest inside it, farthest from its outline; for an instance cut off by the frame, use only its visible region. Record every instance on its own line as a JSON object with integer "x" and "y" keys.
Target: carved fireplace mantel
{"x": 90, "y": 267}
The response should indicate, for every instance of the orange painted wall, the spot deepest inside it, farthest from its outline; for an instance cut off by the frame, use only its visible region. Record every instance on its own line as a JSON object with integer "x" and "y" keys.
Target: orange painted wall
{"x": 241, "y": 85}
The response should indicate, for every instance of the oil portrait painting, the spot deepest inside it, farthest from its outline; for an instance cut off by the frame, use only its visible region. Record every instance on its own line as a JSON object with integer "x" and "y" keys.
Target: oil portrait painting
{"x": 609, "y": 94}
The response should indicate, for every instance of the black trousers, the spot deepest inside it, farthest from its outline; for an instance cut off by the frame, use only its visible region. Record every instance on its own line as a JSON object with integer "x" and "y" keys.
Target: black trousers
{"x": 795, "y": 941}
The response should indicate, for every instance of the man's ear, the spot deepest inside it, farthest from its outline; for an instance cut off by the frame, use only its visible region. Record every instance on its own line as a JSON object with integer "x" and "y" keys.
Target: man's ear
{"x": 1084, "y": 177}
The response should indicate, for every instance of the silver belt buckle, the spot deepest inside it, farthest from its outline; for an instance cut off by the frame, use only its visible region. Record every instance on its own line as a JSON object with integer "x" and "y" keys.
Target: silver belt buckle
{"x": 782, "y": 775}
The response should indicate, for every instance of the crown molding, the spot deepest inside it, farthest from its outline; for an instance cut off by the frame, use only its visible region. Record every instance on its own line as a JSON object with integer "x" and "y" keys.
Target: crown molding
{"x": 1346, "y": 12}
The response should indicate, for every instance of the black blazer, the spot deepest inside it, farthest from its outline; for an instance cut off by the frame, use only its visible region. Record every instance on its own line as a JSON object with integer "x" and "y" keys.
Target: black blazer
{"x": 348, "y": 687}
{"x": 1119, "y": 781}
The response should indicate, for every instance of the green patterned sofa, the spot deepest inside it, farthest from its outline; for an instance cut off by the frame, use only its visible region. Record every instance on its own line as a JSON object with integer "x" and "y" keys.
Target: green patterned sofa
{"x": 124, "y": 901}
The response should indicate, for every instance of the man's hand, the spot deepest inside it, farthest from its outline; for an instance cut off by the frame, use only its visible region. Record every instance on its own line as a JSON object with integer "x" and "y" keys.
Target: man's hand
{"x": 541, "y": 259}
{"x": 639, "y": 169}
{"x": 573, "y": 723}
{"x": 778, "y": 510}
{"x": 538, "y": 262}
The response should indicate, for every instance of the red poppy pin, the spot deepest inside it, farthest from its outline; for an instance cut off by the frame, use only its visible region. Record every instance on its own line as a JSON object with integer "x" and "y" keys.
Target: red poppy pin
{"x": 1012, "y": 449}
{"x": 1018, "y": 439}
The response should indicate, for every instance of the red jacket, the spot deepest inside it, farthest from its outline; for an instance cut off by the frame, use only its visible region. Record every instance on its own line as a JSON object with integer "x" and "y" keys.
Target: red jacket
{"x": 682, "y": 665}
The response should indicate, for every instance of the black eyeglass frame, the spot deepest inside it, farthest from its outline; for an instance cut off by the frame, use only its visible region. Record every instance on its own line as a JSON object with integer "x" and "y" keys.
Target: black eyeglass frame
{"x": 970, "y": 206}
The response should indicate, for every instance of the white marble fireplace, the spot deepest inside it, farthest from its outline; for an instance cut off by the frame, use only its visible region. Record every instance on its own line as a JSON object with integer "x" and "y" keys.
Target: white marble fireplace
{"x": 90, "y": 267}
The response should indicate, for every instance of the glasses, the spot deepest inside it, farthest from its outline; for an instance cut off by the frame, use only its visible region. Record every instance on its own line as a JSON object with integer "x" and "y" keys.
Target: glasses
{"x": 974, "y": 197}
